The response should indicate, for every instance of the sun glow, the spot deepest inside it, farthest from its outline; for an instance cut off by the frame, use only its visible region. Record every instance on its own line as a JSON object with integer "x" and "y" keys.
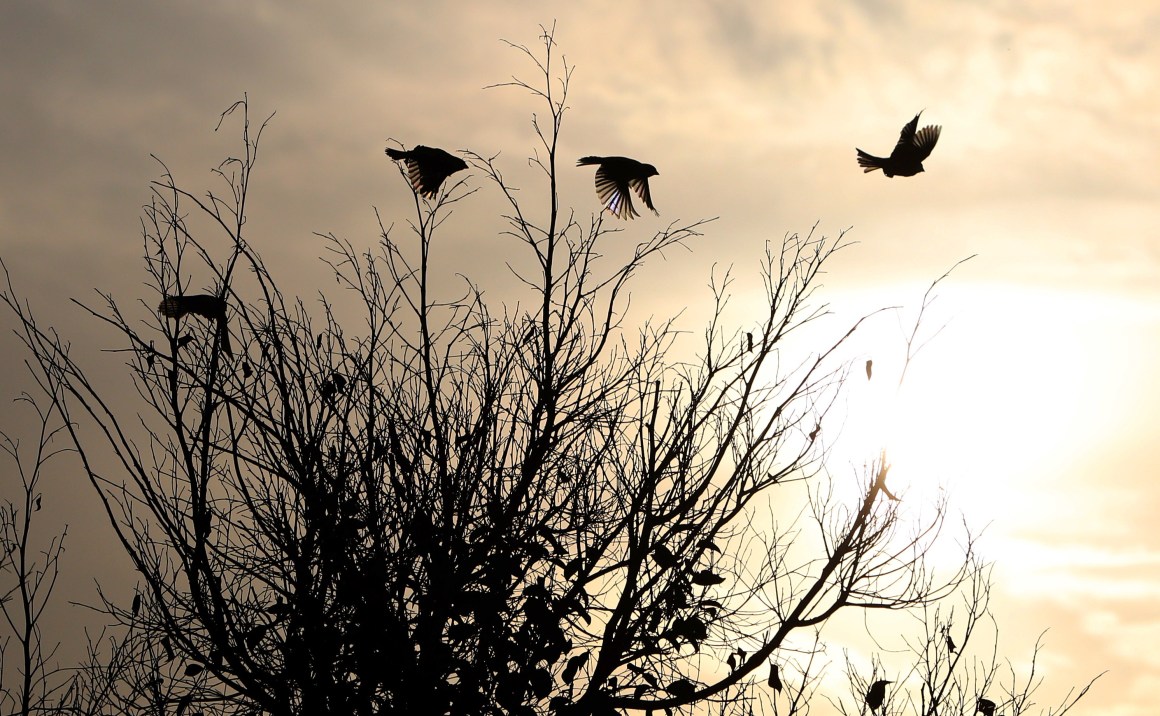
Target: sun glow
{"x": 996, "y": 405}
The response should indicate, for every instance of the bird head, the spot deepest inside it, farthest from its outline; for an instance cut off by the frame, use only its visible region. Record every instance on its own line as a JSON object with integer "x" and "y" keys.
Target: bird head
{"x": 650, "y": 171}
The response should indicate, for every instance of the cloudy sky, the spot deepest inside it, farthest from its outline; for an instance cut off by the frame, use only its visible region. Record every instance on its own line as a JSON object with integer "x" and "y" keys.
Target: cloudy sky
{"x": 1035, "y": 405}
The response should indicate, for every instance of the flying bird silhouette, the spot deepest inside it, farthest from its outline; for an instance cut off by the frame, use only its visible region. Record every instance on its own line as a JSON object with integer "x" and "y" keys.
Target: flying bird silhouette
{"x": 877, "y": 694}
{"x": 427, "y": 167}
{"x": 906, "y": 159}
{"x": 615, "y": 177}
{"x": 985, "y": 707}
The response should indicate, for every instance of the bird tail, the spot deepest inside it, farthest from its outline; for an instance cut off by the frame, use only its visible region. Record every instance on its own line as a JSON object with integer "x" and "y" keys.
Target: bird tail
{"x": 869, "y": 162}
{"x": 584, "y": 161}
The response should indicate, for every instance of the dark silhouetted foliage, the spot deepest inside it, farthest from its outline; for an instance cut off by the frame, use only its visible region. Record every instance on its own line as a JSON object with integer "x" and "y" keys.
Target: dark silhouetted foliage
{"x": 423, "y": 505}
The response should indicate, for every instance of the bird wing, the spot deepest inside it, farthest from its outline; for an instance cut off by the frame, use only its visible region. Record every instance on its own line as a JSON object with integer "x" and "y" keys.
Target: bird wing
{"x": 422, "y": 179}
{"x": 925, "y": 140}
{"x": 906, "y": 137}
{"x": 613, "y": 193}
{"x": 427, "y": 167}
{"x": 640, "y": 186}
{"x": 433, "y": 165}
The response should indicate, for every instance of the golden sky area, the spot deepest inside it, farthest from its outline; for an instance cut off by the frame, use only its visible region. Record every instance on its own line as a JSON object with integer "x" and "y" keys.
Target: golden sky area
{"x": 1035, "y": 406}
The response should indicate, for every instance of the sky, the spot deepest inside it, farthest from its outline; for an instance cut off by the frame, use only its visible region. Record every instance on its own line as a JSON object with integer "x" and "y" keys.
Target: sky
{"x": 1035, "y": 404}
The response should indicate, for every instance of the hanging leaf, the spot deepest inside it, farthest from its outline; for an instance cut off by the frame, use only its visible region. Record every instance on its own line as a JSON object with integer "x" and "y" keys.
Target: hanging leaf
{"x": 681, "y": 688}
{"x": 693, "y": 629}
{"x": 573, "y": 666}
{"x": 774, "y": 679}
{"x": 664, "y": 557}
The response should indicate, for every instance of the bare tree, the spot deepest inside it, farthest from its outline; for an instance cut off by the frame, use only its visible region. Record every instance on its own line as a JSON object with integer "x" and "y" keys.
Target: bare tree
{"x": 454, "y": 511}
{"x": 30, "y": 679}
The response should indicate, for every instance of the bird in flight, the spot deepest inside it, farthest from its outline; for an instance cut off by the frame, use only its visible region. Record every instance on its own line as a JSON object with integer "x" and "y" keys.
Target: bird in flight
{"x": 615, "y": 177}
{"x": 427, "y": 167}
{"x": 906, "y": 159}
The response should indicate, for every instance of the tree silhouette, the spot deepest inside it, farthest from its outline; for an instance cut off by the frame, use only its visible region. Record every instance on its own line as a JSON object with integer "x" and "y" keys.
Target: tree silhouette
{"x": 28, "y": 575}
{"x": 458, "y": 511}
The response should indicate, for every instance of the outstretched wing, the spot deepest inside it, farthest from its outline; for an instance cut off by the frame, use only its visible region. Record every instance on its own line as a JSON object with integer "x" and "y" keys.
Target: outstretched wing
{"x": 925, "y": 140}
{"x": 423, "y": 180}
{"x": 640, "y": 186}
{"x": 427, "y": 168}
{"x": 906, "y": 137}
{"x": 613, "y": 193}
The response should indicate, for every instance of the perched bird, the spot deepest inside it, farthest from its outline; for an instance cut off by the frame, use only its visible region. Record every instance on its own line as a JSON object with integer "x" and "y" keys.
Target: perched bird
{"x": 613, "y": 180}
{"x": 951, "y": 646}
{"x": 985, "y": 707}
{"x": 427, "y": 167}
{"x": 204, "y": 305}
{"x": 906, "y": 159}
{"x": 877, "y": 694}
